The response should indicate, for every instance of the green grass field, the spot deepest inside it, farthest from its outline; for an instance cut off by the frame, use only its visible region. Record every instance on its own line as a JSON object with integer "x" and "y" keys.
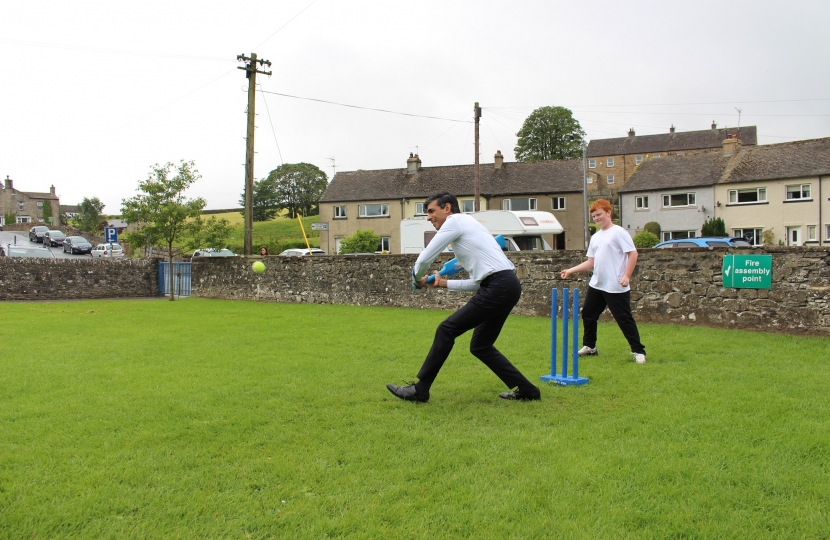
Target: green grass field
{"x": 278, "y": 234}
{"x": 219, "y": 419}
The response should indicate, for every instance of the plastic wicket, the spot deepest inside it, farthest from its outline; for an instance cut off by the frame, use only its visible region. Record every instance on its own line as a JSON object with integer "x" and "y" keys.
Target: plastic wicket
{"x": 563, "y": 378}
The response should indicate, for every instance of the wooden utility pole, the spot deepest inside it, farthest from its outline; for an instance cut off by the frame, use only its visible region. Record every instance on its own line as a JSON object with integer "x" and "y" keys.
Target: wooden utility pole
{"x": 477, "y": 115}
{"x": 250, "y": 73}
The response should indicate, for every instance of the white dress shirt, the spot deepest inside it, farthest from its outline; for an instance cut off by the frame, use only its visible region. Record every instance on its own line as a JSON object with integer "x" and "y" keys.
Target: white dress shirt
{"x": 472, "y": 244}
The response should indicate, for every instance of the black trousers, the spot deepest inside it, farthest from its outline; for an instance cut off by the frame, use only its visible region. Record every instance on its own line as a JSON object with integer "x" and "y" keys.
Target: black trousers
{"x": 620, "y": 306}
{"x": 486, "y": 312}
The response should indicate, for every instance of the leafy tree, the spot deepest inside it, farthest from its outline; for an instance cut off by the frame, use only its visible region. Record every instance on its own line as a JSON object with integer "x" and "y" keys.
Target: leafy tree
{"x": 89, "y": 215}
{"x": 161, "y": 209}
{"x": 363, "y": 241}
{"x": 298, "y": 187}
{"x": 9, "y": 218}
{"x": 549, "y": 133}
{"x": 713, "y": 227}
{"x": 645, "y": 239}
{"x": 211, "y": 233}
{"x": 653, "y": 227}
{"x": 266, "y": 201}
{"x": 47, "y": 211}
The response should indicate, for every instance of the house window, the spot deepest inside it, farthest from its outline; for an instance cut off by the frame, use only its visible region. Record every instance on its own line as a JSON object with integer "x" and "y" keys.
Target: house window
{"x": 827, "y": 232}
{"x": 374, "y": 210}
{"x": 20, "y": 207}
{"x": 743, "y": 196}
{"x": 638, "y": 160}
{"x": 592, "y": 164}
{"x": 420, "y": 209}
{"x": 589, "y": 179}
{"x": 674, "y": 235}
{"x": 468, "y": 206}
{"x": 610, "y": 179}
{"x": 609, "y": 162}
{"x": 753, "y": 236}
{"x": 518, "y": 204}
{"x": 811, "y": 233}
{"x": 383, "y": 245}
{"x": 641, "y": 203}
{"x": 679, "y": 199}
{"x": 801, "y": 191}
{"x": 40, "y": 204}
{"x": 557, "y": 203}
{"x": 24, "y": 219}
{"x": 656, "y": 155}
{"x": 340, "y": 212}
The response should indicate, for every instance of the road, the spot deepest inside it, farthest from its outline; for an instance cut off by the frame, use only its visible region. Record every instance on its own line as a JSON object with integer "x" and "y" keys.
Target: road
{"x": 22, "y": 237}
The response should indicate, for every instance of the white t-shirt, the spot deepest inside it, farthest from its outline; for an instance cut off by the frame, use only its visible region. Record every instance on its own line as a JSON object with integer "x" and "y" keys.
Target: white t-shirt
{"x": 610, "y": 248}
{"x": 472, "y": 244}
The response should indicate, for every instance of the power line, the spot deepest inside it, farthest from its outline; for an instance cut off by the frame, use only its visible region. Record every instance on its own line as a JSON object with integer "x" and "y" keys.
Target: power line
{"x": 272, "y": 124}
{"x": 673, "y": 104}
{"x": 286, "y": 24}
{"x": 366, "y": 108}
{"x": 110, "y": 51}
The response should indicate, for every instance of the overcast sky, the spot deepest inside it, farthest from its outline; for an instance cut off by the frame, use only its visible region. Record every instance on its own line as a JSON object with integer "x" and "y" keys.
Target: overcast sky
{"x": 92, "y": 93}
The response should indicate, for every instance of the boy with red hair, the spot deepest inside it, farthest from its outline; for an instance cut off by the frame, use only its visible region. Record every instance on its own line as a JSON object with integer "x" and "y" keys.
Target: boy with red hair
{"x": 612, "y": 256}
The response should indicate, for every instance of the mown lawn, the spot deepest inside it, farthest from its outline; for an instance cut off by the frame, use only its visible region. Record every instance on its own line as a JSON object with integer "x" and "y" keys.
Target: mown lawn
{"x": 219, "y": 419}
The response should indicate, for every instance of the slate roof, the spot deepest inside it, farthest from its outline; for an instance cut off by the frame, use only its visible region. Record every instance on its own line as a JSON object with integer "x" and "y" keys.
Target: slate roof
{"x": 554, "y": 176}
{"x": 35, "y": 195}
{"x": 797, "y": 159}
{"x": 671, "y": 142}
{"x": 69, "y": 208}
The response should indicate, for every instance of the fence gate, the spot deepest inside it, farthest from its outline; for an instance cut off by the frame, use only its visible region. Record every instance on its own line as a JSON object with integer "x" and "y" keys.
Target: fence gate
{"x": 182, "y": 274}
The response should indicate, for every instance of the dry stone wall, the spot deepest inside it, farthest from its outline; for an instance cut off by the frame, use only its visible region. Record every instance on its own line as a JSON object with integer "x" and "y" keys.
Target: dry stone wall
{"x": 77, "y": 278}
{"x": 679, "y": 286}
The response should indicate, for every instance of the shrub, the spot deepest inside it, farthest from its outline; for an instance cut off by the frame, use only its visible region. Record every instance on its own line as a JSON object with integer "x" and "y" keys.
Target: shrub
{"x": 645, "y": 239}
{"x": 768, "y": 237}
{"x": 653, "y": 227}
{"x": 713, "y": 227}
{"x": 363, "y": 241}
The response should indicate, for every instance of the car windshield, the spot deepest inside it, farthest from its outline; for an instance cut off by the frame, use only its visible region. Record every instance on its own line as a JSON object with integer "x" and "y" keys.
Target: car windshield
{"x": 40, "y": 229}
{"x": 56, "y": 234}
{"x": 76, "y": 239}
{"x": 116, "y": 247}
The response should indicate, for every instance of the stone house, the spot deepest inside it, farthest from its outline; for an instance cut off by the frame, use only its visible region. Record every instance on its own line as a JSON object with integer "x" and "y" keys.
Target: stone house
{"x": 781, "y": 188}
{"x": 380, "y": 199}
{"x": 611, "y": 162}
{"x": 27, "y": 206}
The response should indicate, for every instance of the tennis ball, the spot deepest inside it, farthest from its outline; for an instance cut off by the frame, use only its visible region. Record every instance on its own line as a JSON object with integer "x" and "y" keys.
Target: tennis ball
{"x": 259, "y": 267}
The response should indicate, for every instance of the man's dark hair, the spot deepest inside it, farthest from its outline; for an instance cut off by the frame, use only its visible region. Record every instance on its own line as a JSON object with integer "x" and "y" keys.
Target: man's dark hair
{"x": 441, "y": 199}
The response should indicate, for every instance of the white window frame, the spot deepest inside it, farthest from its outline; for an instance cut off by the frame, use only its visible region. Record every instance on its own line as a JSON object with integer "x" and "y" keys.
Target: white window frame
{"x": 20, "y": 206}
{"x": 40, "y": 204}
{"x": 420, "y": 209}
{"x": 675, "y": 235}
{"x": 532, "y": 203}
{"x": 589, "y": 179}
{"x": 638, "y": 160}
{"x": 641, "y": 202}
{"x": 811, "y": 233}
{"x": 467, "y": 206}
{"x": 691, "y": 200}
{"x": 756, "y": 234}
{"x": 383, "y": 245}
{"x": 557, "y": 203}
{"x": 609, "y": 162}
{"x": 592, "y": 164}
{"x": 827, "y": 232}
{"x": 804, "y": 193}
{"x": 734, "y": 194}
{"x": 609, "y": 179}
{"x": 340, "y": 212}
{"x": 384, "y": 210}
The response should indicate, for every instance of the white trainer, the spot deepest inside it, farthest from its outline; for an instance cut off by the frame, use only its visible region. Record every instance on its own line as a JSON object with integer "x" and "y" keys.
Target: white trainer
{"x": 587, "y": 351}
{"x": 639, "y": 358}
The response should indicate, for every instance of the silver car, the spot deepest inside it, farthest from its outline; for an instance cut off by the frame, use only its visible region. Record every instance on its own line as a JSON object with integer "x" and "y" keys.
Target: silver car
{"x": 107, "y": 250}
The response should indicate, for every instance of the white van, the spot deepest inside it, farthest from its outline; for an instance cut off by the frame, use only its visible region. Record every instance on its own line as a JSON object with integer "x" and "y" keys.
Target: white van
{"x": 522, "y": 229}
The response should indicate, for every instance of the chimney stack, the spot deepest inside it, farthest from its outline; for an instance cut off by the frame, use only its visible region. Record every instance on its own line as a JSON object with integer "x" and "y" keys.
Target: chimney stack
{"x": 671, "y": 129}
{"x": 714, "y": 125}
{"x": 52, "y": 190}
{"x": 8, "y": 182}
{"x": 731, "y": 145}
{"x": 413, "y": 164}
{"x": 499, "y": 159}
{"x": 631, "y": 132}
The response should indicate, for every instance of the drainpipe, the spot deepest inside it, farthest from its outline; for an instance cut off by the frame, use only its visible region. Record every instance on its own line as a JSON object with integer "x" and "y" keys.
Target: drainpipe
{"x": 820, "y": 224}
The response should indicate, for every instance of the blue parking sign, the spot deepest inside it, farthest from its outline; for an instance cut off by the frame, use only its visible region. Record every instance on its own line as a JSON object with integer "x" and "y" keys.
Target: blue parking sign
{"x": 111, "y": 234}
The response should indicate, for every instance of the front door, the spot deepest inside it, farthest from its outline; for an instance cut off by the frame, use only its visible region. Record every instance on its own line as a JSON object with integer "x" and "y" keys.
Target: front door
{"x": 793, "y": 236}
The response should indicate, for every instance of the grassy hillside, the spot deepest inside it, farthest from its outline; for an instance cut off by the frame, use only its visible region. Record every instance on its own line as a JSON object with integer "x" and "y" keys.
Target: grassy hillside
{"x": 278, "y": 234}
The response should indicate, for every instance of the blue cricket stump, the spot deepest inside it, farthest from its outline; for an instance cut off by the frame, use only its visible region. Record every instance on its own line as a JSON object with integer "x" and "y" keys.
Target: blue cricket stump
{"x": 563, "y": 378}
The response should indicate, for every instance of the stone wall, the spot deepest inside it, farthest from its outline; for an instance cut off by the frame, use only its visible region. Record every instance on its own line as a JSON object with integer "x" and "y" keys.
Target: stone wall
{"x": 678, "y": 286}
{"x": 77, "y": 278}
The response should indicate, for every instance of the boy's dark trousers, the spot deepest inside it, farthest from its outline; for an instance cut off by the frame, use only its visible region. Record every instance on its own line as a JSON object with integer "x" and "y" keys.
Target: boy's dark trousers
{"x": 620, "y": 305}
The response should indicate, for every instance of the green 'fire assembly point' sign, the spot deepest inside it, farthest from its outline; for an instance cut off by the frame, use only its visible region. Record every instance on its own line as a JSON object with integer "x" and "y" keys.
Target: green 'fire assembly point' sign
{"x": 747, "y": 271}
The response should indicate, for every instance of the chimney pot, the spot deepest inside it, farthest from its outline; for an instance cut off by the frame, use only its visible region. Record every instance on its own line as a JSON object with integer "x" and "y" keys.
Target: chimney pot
{"x": 52, "y": 190}
{"x": 671, "y": 129}
{"x": 631, "y": 132}
{"x": 714, "y": 125}
{"x": 9, "y": 184}
{"x": 413, "y": 164}
{"x": 498, "y": 159}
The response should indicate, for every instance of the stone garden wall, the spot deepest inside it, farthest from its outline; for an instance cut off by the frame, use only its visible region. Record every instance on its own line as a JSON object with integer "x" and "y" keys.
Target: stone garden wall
{"x": 679, "y": 286}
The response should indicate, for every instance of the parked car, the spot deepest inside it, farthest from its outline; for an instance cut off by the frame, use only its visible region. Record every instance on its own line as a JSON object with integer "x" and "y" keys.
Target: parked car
{"x": 53, "y": 238}
{"x": 300, "y": 252}
{"x": 108, "y": 250}
{"x": 212, "y": 252}
{"x": 18, "y": 250}
{"x": 703, "y": 241}
{"x": 77, "y": 245}
{"x": 36, "y": 233}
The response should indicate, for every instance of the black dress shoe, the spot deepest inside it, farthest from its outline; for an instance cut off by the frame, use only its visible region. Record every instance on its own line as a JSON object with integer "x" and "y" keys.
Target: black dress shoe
{"x": 408, "y": 393}
{"x": 528, "y": 394}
